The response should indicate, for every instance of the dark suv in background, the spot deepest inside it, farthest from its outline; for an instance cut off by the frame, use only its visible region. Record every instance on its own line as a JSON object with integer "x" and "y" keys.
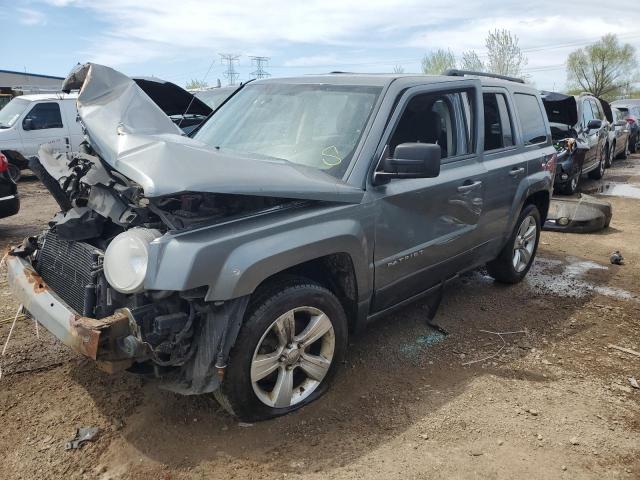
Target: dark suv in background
{"x": 630, "y": 109}
{"x": 580, "y": 131}
{"x": 302, "y": 209}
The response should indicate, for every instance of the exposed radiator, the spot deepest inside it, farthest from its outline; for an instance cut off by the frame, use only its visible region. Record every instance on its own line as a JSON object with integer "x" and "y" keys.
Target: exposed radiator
{"x": 70, "y": 268}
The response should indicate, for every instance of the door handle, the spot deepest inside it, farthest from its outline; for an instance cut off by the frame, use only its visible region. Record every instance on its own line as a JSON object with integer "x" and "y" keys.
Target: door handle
{"x": 516, "y": 171}
{"x": 468, "y": 186}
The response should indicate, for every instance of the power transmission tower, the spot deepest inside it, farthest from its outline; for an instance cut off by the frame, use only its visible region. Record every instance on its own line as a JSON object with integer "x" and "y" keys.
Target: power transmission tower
{"x": 260, "y": 63}
{"x": 230, "y": 60}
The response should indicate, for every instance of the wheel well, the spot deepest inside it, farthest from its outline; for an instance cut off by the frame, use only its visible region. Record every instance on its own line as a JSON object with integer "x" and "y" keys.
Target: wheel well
{"x": 335, "y": 272}
{"x": 541, "y": 201}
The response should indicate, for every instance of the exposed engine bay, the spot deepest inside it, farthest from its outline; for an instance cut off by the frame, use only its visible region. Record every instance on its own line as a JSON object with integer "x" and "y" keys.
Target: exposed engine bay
{"x": 99, "y": 207}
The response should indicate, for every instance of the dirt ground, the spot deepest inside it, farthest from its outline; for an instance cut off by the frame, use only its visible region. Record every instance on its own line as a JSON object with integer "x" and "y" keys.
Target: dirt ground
{"x": 554, "y": 403}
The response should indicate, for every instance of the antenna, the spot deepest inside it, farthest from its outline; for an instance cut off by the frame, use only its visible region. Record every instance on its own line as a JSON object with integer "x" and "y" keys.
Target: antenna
{"x": 230, "y": 60}
{"x": 260, "y": 63}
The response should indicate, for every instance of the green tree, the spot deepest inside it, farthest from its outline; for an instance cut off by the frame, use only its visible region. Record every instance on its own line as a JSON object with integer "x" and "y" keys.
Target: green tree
{"x": 504, "y": 55}
{"x": 398, "y": 69}
{"x": 194, "y": 84}
{"x": 437, "y": 62}
{"x": 606, "y": 68}
{"x": 471, "y": 61}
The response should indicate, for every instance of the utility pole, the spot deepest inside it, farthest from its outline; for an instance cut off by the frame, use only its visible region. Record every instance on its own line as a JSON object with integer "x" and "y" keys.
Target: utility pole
{"x": 230, "y": 60}
{"x": 260, "y": 63}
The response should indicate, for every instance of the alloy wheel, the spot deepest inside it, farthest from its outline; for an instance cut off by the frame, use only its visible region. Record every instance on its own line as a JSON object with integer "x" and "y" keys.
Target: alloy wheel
{"x": 293, "y": 357}
{"x": 524, "y": 243}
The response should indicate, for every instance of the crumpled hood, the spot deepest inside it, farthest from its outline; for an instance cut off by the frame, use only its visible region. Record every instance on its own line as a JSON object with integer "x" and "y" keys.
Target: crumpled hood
{"x": 134, "y": 136}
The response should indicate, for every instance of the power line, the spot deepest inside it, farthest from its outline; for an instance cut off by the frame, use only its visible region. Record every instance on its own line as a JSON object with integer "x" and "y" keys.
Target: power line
{"x": 260, "y": 63}
{"x": 230, "y": 60}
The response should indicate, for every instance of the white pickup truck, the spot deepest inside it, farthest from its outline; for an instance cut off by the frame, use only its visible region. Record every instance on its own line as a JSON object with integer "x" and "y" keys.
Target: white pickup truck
{"x": 29, "y": 121}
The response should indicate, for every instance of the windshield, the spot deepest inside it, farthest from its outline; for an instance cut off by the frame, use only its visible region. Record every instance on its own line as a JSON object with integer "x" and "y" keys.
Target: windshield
{"x": 314, "y": 125}
{"x": 214, "y": 97}
{"x": 12, "y": 111}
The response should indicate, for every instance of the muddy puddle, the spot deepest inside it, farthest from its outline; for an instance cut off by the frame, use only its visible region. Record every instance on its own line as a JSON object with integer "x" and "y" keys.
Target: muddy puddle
{"x": 619, "y": 190}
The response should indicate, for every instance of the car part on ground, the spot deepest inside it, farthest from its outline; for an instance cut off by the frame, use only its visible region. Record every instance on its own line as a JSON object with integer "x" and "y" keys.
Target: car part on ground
{"x": 583, "y": 214}
{"x": 182, "y": 258}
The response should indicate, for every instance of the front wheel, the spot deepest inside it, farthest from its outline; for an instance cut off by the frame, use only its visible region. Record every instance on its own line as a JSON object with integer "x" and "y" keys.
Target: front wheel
{"x": 14, "y": 172}
{"x": 625, "y": 153}
{"x": 598, "y": 173}
{"x": 287, "y": 351}
{"x": 517, "y": 256}
{"x": 610, "y": 156}
{"x": 573, "y": 184}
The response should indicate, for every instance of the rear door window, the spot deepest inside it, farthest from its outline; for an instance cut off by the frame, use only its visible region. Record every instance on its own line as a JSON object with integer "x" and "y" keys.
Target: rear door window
{"x": 497, "y": 122}
{"x": 531, "y": 118}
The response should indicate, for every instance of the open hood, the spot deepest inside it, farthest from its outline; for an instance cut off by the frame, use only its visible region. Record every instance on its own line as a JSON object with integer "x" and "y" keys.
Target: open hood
{"x": 134, "y": 136}
{"x": 560, "y": 108}
{"x": 172, "y": 99}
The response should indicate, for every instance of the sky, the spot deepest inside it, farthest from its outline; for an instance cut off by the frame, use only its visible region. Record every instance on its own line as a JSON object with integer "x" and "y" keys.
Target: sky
{"x": 181, "y": 41}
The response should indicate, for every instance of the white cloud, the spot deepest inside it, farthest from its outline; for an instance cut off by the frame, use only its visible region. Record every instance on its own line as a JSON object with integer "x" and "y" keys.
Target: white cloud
{"x": 30, "y": 17}
{"x": 140, "y": 30}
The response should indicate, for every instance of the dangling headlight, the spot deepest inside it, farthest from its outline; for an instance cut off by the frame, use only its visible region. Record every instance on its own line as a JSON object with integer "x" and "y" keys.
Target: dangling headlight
{"x": 127, "y": 257}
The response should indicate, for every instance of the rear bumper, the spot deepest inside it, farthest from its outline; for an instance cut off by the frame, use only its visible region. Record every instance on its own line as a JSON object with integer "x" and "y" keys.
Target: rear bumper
{"x": 9, "y": 205}
{"x": 94, "y": 338}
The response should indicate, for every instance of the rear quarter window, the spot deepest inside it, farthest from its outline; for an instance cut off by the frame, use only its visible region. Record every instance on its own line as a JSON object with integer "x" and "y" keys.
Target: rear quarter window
{"x": 531, "y": 118}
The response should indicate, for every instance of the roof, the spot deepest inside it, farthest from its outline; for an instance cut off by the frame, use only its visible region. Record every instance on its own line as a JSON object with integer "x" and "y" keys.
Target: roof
{"x": 384, "y": 79}
{"x": 37, "y": 97}
{"x": 37, "y": 75}
{"x": 629, "y": 102}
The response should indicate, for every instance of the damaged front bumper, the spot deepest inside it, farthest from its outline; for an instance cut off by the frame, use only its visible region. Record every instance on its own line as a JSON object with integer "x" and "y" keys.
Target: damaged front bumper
{"x": 93, "y": 338}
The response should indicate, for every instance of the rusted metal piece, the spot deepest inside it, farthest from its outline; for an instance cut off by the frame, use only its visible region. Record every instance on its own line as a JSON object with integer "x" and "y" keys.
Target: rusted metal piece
{"x": 94, "y": 338}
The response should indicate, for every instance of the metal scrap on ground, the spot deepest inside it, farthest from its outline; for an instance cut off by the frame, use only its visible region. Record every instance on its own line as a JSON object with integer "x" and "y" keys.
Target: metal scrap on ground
{"x": 83, "y": 434}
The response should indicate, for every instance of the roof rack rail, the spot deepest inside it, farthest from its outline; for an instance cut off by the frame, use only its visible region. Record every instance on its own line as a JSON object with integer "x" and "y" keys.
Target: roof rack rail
{"x": 453, "y": 72}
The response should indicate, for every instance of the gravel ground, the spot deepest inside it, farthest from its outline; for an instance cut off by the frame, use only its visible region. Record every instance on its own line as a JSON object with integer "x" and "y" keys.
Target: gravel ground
{"x": 555, "y": 402}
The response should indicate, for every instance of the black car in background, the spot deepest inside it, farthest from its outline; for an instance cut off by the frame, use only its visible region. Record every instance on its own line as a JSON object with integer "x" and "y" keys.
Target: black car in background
{"x": 630, "y": 109}
{"x": 184, "y": 109}
{"x": 580, "y": 132}
{"x": 9, "y": 201}
{"x": 214, "y": 97}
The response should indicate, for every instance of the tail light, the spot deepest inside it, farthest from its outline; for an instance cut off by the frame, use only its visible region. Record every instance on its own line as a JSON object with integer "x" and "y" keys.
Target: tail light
{"x": 4, "y": 163}
{"x": 549, "y": 164}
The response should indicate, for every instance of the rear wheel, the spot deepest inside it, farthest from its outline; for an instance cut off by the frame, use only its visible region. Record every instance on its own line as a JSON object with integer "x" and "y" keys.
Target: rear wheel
{"x": 287, "y": 351}
{"x": 518, "y": 254}
{"x": 625, "y": 152}
{"x": 610, "y": 156}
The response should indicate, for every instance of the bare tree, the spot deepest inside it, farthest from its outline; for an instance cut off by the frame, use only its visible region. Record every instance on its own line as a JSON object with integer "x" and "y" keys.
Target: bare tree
{"x": 471, "y": 61}
{"x": 606, "y": 68}
{"x": 398, "y": 69}
{"x": 438, "y": 61}
{"x": 504, "y": 54}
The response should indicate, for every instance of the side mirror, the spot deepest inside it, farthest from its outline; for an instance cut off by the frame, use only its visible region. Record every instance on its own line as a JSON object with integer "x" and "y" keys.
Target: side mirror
{"x": 27, "y": 124}
{"x": 412, "y": 160}
{"x": 594, "y": 124}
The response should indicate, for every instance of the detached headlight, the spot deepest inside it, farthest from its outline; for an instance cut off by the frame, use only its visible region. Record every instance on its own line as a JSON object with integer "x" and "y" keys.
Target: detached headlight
{"x": 127, "y": 257}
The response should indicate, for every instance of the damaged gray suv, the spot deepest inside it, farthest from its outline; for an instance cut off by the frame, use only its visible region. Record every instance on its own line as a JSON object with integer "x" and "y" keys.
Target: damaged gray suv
{"x": 237, "y": 260}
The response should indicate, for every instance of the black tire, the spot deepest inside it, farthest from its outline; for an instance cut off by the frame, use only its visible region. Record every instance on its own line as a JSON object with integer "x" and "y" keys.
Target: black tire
{"x": 598, "y": 173}
{"x": 625, "y": 152}
{"x": 573, "y": 185}
{"x": 610, "y": 155}
{"x": 502, "y": 268}
{"x": 236, "y": 393}
{"x": 14, "y": 172}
